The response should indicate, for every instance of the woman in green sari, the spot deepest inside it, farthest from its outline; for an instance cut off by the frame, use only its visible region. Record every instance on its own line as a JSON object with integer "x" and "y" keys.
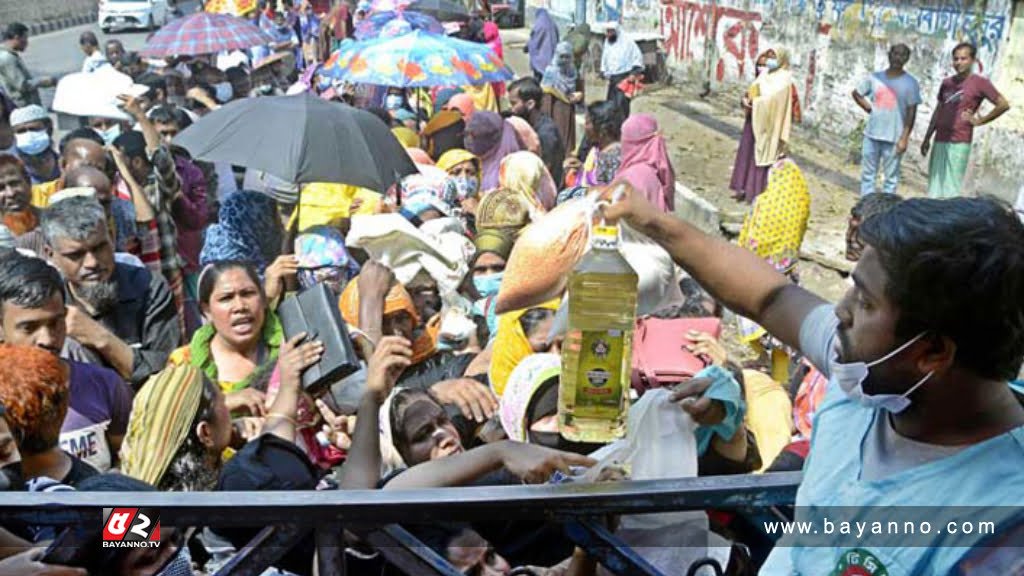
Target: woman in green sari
{"x": 239, "y": 343}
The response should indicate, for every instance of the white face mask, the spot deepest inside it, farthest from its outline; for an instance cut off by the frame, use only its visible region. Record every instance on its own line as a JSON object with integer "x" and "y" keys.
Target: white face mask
{"x": 851, "y": 377}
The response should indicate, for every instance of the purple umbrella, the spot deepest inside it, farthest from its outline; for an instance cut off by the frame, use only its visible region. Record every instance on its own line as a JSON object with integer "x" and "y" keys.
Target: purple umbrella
{"x": 204, "y": 33}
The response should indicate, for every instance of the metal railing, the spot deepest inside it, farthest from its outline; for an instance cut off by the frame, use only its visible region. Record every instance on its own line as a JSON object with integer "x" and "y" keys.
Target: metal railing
{"x": 375, "y": 515}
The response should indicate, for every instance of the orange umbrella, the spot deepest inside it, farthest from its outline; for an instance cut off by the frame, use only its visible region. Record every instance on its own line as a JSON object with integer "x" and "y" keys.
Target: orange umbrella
{"x": 233, "y": 7}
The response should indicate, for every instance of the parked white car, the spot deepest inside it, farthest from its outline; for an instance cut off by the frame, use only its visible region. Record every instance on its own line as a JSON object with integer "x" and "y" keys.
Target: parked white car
{"x": 127, "y": 14}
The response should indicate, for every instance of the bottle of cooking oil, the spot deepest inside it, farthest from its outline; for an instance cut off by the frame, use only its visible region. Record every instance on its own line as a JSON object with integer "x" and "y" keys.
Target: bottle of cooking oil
{"x": 597, "y": 355}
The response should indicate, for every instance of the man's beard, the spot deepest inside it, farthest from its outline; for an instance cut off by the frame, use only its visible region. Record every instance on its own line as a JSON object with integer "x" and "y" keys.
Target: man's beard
{"x": 100, "y": 296}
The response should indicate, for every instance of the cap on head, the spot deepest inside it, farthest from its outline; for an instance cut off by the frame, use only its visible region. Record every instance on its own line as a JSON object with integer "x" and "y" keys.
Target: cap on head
{"x": 27, "y": 114}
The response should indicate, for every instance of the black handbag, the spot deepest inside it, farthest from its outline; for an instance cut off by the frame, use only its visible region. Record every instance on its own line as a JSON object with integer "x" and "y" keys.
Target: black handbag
{"x": 315, "y": 311}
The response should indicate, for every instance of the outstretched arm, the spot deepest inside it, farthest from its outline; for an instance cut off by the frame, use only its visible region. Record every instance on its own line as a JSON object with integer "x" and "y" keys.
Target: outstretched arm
{"x": 732, "y": 275}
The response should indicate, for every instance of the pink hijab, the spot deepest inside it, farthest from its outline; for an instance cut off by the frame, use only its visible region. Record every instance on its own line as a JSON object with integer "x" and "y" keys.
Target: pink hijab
{"x": 525, "y": 134}
{"x": 493, "y": 37}
{"x": 463, "y": 103}
{"x": 645, "y": 162}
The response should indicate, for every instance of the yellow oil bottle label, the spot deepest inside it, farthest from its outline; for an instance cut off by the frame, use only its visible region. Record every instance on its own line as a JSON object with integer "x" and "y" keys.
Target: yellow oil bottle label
{"x": 600, "y": 368}
{"x": 605, "y": 238}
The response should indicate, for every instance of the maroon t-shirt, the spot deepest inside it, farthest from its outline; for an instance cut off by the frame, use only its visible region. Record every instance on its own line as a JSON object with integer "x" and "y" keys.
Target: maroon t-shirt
{"x": 956, "y": 98}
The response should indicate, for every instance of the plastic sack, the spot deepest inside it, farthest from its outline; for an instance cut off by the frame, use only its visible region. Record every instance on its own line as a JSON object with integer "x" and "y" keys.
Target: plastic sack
{"x": 544, "y": 254}
{"x": 395, "y": 242}
{"x": 548, "y": 249}
{"x": 95, "y": 93}
{"x": 660, "y": 444}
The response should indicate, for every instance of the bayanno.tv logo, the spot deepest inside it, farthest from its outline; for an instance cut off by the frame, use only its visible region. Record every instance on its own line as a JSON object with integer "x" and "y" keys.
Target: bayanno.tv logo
{"x": 131, "y": 528}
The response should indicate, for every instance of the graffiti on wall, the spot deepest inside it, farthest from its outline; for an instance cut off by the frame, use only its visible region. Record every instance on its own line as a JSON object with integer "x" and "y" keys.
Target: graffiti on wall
{"x": 726, "y": 38}
{"x": 950, "y": 20}
{"x": 697, "y": 32}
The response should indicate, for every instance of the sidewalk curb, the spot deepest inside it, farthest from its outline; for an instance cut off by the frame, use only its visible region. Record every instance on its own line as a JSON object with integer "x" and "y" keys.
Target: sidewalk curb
{"x": 37, "y": 28}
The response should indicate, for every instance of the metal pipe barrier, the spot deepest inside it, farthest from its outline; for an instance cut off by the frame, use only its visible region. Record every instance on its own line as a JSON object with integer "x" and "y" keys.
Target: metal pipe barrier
{"x": 375, "y": 515}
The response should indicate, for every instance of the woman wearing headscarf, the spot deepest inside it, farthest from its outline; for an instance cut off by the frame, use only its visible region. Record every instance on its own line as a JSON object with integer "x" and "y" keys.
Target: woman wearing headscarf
{"x": 504, "y": 210}
{"x": 397, "y": 316}
{"x": 179, "y": 427}
{"x": 493, "y": 248}
{"x": 645, "y": 162}
{"x": 602, "y": 132}
{"x": 248, "y": 230}
{"x": 492, "y": 36}
{"x": 443, "y": 133}
{"x": 463, "y": 104}
{"x": 241, "y": 337}
{"x": 562, "y": 91}
{"x": 541, "y": 46}
{"x": 525, "y": 173}
{"x": 406, "y": 136}
{"x": 520, "y": 334}
{"x": 323, "y": 259}
{"x": 771, "y": 106}
{"x": 525, "y": 134}
{"x": 463, "y": 167}
{"x": 490, "y": 137}
{"x": 774, "y": 230}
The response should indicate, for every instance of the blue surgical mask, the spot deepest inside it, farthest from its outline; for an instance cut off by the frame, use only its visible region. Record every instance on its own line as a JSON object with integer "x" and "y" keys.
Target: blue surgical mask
{"x": 32, "y": 143}
{"x": 110, "y": 134}
{"x": 850, "y": 377}
{"x": 488, "y": 284}
{"x": 466, "y": 186}
{"x": 771, "y": 64}
{"x": 393, "y": 101}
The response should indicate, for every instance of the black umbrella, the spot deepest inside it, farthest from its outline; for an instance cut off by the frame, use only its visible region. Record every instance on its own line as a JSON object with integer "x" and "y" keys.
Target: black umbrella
{"x": 301, "y": 139}
{"x": 443, "y": 10}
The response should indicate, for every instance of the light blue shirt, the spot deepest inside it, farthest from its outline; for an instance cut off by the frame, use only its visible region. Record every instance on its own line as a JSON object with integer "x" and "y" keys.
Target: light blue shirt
{"x": 988, "y": 475}
{"x": 890, "y": 100}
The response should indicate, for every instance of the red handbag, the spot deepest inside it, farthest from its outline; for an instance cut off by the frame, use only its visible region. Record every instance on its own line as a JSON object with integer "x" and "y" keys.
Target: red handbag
{"x": 659, "y": 354}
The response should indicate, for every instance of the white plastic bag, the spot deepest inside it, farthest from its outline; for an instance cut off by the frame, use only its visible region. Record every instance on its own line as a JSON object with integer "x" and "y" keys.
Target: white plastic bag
{"x": 660, "y": 444}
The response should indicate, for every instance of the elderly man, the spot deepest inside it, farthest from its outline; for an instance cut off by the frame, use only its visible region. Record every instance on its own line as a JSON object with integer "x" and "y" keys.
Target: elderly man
{"x": 33, "y": 133}
{"x": 19, "y": 216}
{"x": 32, "y": 313}
{"x": 123, "y": 316}
{"x": 15, "y": 78}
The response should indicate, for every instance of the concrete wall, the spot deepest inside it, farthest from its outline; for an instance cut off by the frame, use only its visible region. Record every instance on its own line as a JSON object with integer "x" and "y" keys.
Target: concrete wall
{"x": 30, "y": 11}
{"x": 834, "y": 44}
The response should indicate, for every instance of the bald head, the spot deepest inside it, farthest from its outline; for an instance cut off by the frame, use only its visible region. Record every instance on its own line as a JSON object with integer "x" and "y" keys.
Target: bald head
{"x": 81, "y": 152}
{"x": 90, "y": 177}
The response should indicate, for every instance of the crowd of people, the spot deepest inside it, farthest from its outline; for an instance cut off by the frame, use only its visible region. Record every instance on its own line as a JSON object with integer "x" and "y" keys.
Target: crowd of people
{"x": 142, "y": 346}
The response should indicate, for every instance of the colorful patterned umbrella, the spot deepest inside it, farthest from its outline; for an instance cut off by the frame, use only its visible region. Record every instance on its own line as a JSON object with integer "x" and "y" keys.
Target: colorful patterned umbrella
{"x": 232, "y": 7}
{"x": 417, "y": 59}
{"x": 204, "y": 33}
{"x": 395, "y": 23}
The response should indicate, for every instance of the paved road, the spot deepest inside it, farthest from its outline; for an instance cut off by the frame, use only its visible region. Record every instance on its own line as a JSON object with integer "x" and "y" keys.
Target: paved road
{"x": 57, "y": 53}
